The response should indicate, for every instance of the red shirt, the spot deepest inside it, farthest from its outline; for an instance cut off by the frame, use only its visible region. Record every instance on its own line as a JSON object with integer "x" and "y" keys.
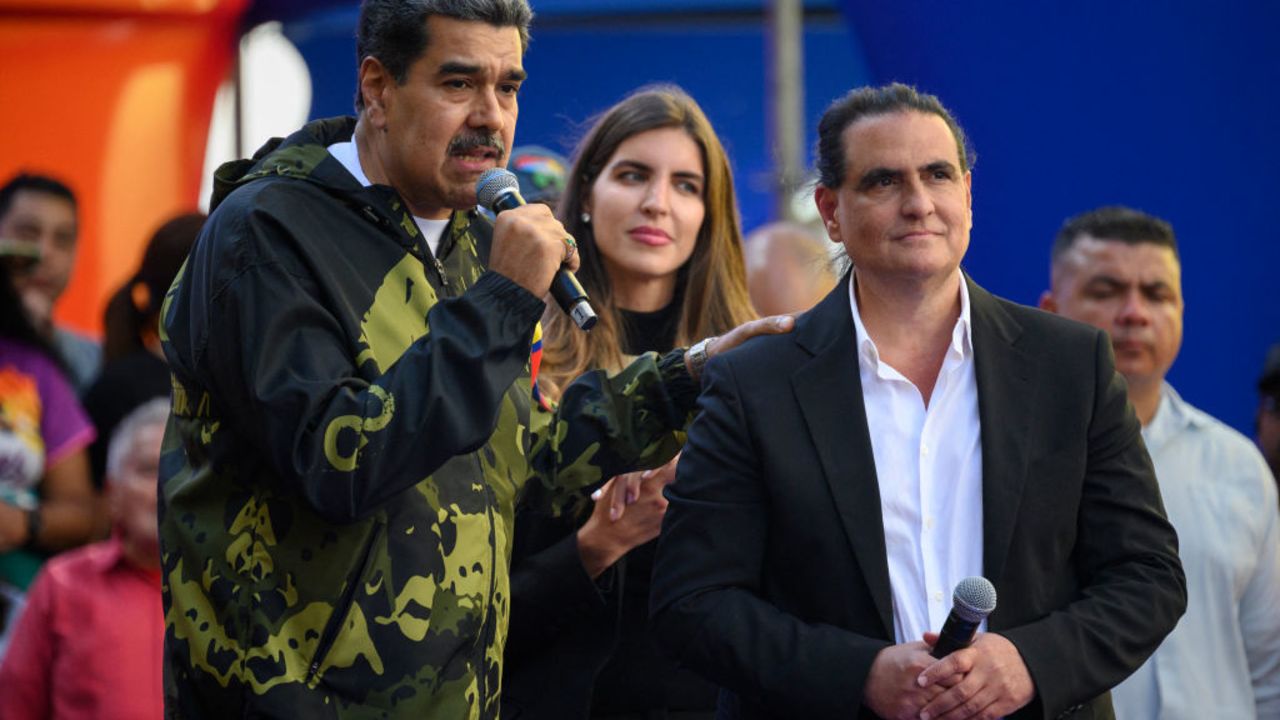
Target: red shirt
{"x": 89, "y": 642}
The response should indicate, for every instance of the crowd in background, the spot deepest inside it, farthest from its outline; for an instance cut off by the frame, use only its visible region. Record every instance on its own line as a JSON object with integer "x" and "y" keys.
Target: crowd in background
{"x": 81, "y": 428}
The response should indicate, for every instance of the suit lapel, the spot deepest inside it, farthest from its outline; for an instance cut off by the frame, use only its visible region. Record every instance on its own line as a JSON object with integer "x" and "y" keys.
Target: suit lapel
{"x": 829, "y": 391}
{"x": 1006, "y": 378}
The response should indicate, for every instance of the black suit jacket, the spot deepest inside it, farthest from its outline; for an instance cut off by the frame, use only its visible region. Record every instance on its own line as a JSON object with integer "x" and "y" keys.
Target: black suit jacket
{"x": 771, "y": 577}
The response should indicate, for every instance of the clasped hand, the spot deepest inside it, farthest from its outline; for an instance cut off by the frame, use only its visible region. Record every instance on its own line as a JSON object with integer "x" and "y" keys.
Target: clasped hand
{"x": 628, "y": 513}
{"x": 986, "y": 680}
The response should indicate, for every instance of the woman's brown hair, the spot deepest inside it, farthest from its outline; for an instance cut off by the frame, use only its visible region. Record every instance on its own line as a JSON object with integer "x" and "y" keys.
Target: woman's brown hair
{"x": 714, "y": 283}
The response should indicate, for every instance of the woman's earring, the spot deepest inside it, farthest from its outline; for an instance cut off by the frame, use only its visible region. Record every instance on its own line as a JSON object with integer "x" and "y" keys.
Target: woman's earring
{"x": 586, "y": 218}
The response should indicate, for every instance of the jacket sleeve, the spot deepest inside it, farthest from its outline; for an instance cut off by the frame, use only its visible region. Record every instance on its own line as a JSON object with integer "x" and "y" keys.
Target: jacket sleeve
{"x": 706, "y": 601}
{"x": 1132, "y": 588}
{"x": 284, "y": 372}
{"x": 606, "y": 425}
{"x": 550, "y": 588}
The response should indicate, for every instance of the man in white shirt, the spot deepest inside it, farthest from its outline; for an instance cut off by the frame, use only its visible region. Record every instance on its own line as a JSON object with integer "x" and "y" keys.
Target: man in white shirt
{"x": 912, "y": 431}
{"x": 1117, "y": 269}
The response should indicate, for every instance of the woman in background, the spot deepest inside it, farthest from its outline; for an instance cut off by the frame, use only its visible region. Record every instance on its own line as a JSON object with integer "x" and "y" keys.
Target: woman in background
{"x": 46, "y": 501}
{"x": 650, "y": 201}
{"x": 133, "y": 366}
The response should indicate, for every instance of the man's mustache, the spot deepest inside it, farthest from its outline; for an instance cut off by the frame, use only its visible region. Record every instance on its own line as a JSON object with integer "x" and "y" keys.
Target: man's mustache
{"x": 466, "y": 142}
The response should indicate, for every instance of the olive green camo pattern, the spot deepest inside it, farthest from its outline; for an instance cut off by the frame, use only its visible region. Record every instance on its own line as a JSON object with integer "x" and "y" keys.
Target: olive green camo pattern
{"x": 352, "y": 424}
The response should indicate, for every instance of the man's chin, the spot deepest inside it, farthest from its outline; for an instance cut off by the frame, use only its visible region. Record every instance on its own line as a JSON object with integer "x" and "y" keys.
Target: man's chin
{"x": 462, "y": 197}
{"x": 1138, "y": 374}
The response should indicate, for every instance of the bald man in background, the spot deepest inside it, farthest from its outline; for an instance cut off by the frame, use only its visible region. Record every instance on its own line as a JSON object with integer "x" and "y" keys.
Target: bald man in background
{"x": 788, "y": 268}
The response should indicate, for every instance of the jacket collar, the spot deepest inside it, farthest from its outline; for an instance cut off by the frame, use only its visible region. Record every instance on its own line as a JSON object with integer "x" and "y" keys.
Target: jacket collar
{"x": 1007, "y": 375}
{"x": 829, "y": 391}
{"x": 304, "y": 156}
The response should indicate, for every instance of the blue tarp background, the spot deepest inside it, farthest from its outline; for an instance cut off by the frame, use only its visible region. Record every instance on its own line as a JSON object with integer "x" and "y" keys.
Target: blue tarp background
{"x": 1167, "y": 107}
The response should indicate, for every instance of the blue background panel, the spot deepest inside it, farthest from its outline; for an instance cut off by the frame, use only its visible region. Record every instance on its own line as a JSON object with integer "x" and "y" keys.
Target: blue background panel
{"x": 577, "y": 71}
{"x": 1168, "y": 108}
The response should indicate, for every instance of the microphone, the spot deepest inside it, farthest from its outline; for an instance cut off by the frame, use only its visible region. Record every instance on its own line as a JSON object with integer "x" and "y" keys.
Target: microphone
{"x": 499, "y": 190}
{"x": 971, "y": 603}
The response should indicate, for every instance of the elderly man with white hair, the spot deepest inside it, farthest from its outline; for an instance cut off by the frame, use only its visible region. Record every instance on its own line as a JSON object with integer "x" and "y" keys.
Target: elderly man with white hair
{"x": 88, "y": 644}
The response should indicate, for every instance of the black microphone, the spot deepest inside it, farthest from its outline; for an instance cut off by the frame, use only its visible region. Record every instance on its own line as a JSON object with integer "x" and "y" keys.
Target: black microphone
{"x": 972, "y": 602}
{"x": 499, "y": 190}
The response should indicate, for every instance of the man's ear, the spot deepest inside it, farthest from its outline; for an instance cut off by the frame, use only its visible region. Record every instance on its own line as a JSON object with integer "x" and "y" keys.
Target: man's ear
{"x": 968, "y": 196}
{"x": 827, "y": 200}
{"x": 1047, "y": 303}
{"x": 375, "y": 82}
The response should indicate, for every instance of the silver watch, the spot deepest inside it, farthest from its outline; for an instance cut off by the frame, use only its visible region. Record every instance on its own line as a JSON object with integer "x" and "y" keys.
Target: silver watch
{"x": 696, "y": 360}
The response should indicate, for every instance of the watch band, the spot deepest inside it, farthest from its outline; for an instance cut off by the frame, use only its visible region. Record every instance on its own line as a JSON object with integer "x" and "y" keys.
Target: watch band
{"x": 698, "y": 357}
{"x": 34, "y": 524}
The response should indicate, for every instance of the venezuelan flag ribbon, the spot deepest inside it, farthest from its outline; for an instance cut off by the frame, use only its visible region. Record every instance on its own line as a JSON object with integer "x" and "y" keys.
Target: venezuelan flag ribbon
{"x": 535, "y": 362}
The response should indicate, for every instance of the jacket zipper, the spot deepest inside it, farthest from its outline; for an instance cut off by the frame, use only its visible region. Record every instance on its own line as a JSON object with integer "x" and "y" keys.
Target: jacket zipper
{"x": 334, "y": 626}
{"x": 444, "y": 280}
{"x": 489, "y": 620}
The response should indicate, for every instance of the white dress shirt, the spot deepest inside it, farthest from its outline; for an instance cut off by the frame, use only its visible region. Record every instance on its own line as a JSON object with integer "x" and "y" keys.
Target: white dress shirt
{"x": 1223, "y": 658}
{"x": 929, "y": 467}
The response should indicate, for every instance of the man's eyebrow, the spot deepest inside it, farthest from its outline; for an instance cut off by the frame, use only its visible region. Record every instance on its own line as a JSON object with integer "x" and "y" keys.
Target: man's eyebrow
{"x": 937, "y": 165}
{"x": 1109, "y": 280}
{"x": 875, "y": 175}
{"x": 460, "y": 67}
{"x": 457, "y": 67}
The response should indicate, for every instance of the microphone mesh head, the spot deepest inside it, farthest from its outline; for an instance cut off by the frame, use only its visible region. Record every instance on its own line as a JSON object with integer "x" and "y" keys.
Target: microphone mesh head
{"x": 974, "y": 598}
{"x": 492, "y": 183}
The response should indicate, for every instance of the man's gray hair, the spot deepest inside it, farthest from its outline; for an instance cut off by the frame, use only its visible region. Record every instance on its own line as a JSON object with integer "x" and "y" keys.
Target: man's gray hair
{"x": 395, "y": 31}
{"x": 153, "y": 412}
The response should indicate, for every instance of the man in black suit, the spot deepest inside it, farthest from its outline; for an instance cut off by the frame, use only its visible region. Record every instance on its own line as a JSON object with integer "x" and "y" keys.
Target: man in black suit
{"x": 913, "y": 430}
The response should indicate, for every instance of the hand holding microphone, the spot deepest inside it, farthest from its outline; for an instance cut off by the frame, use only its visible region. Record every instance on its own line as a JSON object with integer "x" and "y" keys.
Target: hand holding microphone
{"x": 530, "y": 245}
{"x": 990, "y": 679}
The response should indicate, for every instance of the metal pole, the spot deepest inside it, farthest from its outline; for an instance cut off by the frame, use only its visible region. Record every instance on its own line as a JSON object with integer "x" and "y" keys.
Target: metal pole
{"x": 237, "y": 85}
{"x": 786, "y": 100}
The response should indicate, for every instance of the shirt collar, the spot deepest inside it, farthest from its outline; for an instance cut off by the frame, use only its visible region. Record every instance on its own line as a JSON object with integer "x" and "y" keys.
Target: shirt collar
{"x": 110, "y": 553}
{"x": 961, "y": 336}
{"x": 347, "y": 154}
{"x": 108, "y": 556}
{"x": 1173, "y": 415}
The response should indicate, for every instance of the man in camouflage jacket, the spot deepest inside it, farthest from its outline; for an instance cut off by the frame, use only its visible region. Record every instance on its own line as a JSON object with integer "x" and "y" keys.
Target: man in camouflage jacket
{"x": 352, "y": 413}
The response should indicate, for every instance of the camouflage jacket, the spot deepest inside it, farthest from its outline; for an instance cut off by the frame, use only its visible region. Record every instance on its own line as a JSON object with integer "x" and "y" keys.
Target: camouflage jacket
{"x": 352, "y": 425}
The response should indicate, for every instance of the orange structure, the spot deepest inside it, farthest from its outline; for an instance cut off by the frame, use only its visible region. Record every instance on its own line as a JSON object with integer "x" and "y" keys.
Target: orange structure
{"x": 114, "y": 97}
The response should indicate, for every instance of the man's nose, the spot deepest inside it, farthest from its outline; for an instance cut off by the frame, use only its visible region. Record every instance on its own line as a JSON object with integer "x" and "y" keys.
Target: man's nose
{"x": 1134, "y": 309}
{"x": 486, "y": 111}
{"x": 916, "y": 201}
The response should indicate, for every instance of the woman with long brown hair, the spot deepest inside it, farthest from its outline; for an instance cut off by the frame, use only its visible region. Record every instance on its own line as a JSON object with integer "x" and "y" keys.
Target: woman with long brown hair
{"x": 650, "y": 201}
